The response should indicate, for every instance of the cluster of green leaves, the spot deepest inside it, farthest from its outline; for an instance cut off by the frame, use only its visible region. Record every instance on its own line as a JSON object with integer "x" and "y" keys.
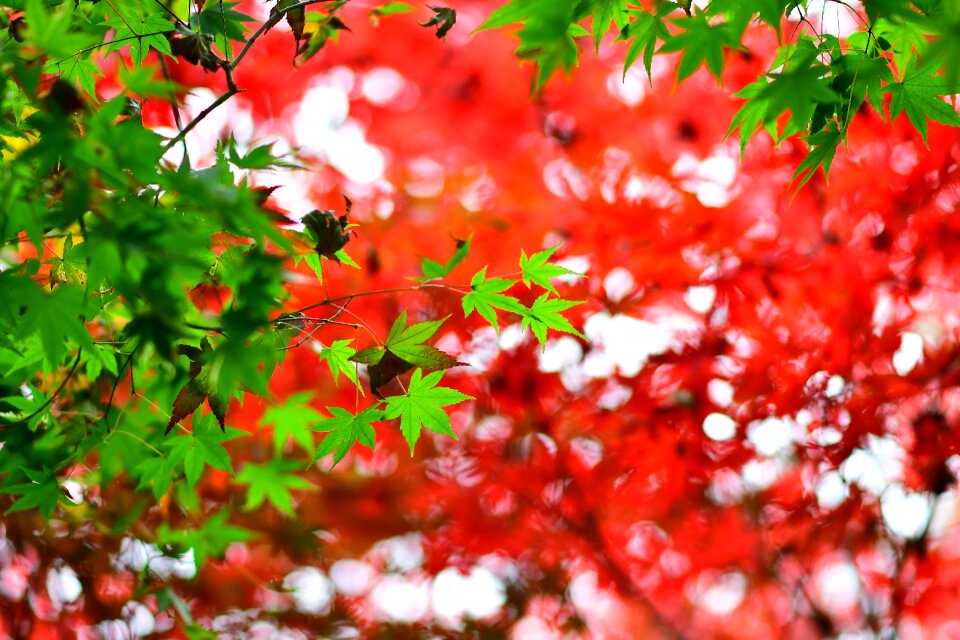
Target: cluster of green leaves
{"x": 815, "y": 85}
{"x": 138, "y": 290}
{"x": 422, "y": 401}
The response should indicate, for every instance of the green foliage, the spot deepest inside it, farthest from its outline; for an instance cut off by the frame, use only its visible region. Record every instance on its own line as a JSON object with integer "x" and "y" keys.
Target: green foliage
{"x": 547, "y": 313}
{"x": 337, "y": 356}
{"x": 643, "y": 33}
{"x": 699, "y": 42}
{"x": 918, "y": 93}
{"x": 345, "y": 430}
{"x": 273, "y": 481}
{"x": 139, "y": 30}
{"x": 202, "y": 447}
{"x": 108, "y": 352}
{"x": 486, "y": 295}
{"x": 292, "y": 419}
{"x": 106, "y": 357}
{"x": 536, "y": 269}
{"x": 816, "y": 78}
{"x": 422, "y": 406}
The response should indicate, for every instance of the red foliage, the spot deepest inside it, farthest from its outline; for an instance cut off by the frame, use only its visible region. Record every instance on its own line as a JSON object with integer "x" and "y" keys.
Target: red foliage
{"x": 745, "y": 448}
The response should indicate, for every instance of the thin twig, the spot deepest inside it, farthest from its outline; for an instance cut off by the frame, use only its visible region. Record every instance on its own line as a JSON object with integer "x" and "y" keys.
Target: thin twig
{"x": 199, "y": 118}
{"x": 374, "y": 292}
{"x": 318, "y": 322}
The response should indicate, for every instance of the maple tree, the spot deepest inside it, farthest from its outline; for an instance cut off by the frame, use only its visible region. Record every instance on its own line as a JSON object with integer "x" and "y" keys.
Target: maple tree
{"x": 296, "y": 336}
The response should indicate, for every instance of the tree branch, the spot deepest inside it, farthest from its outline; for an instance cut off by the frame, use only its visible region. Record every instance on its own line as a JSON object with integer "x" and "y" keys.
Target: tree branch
{"x": 229, "y": 67}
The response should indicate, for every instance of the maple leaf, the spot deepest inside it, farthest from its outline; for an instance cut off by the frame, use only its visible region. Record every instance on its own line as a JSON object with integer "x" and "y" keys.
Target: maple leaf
{"x": 198, "y": 387}
{"x": 328, "y": 232}
{"x": 547, "y": 33}
{"x": 42, "y": 492}
{"x": 337, "y": 356}
{"x": 195, "y": 48}
{"x": 422, "y": 406}
{"x": 272, "y": 481}
{"x": 296, "y": 18}
{"x": 918, "y": 93}
{"x": 141, "y": 32}
{"x": 202, "y": 447}
{"x": 443, "y": 19}
{"x": 403, "y": 350}
{"x": 487, "y": 295}
{"x": 545, "y": 313}
{"x": 84, "y": 72}
{"x": 823, "y": 148}
{"x": 346, "y": 430}
{"x": 699, "y": 42}
{"x": 406, "y": 343}
{"x": 536, "y": 269}
{"x": 643, "y": 32}
{"x": 293, "y": 418}
{"x": 603, "y": 13}
{"x": 799, "y": 90}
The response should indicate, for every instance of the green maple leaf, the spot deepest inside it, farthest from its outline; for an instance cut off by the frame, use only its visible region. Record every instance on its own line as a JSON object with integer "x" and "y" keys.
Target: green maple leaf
{"x": 546, "y": 314}
{"x": 545, "y": 37}
{"x": 141, "y": 32}
{"x": 293, "y": 418}
{"x": 346, "y": 430}
{"x": 41, "y": 493}
{"x": 823, "y": 148}
{"x": 337, "y": 356}
{"x": 83, "y": 71}
{"x": 739, "y": 14}
{"x": 799, "y": 90}
{"x": 487, "y": 295}
{"x": 221, "y": 20}
{"x": 422, "y": 406}
{"x": 53, "y": 317}
{"x": 405, "y": 343}
{"x": 157, "y": 472}
{"x": 272, "y": 481}
{"x": 643, "y": 32}
{"x": 604, "y": 13}
{"x": 49, "y": 28}
{"x": 699, "y": 42}
{"x": 202, "y": 447}
{"x": 918, "y": 93}
{"x": 536, "y": 269}
{"x": 871, "y": 71}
